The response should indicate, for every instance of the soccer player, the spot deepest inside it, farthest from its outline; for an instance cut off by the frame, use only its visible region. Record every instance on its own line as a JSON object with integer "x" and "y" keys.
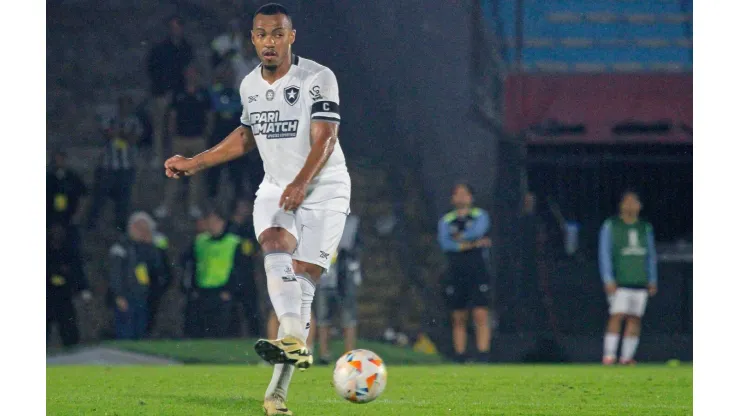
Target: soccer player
{"x": 291, "y": 115}
{"x": 462, "y": 235}
{"x": 629, "y": 270}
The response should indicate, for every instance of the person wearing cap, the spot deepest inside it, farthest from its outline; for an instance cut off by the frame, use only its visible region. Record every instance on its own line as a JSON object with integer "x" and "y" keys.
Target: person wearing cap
{"x": 214, "y": 267}
{"x": 135, "y": 263}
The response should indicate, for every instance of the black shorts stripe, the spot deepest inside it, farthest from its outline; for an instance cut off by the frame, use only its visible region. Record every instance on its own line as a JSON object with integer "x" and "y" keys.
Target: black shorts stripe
{"x": 325, "y": 107}
{"x": 324, "y": 118}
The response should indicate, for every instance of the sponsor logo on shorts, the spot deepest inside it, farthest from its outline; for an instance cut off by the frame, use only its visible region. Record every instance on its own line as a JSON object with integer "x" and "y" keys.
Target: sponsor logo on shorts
{"x": 289, "y": 278}
{"x": 324, "y": 255}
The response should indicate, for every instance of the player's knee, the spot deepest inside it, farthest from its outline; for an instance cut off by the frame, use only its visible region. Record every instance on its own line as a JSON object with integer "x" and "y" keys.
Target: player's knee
{"x": 459, "y": 318}
{"x": 480, "y": 316}
{"x": 617, "y": 317}
{"x": 275, "y": 240}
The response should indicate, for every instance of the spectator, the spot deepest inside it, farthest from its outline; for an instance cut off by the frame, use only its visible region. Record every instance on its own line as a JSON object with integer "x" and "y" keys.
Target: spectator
{"x": 189, "y": 124}
{"x": 462, "y": 235}
{"x": 116, "y": 172}
{"x": 243, "y": 63}
{"x": 629, "y": 269}
{"x": 162, "y": 281}
{"x": 228, "y": 44}
{"x": 240, "y": 225}
{"x": 227, "y": 109}
{"x": 134, "y": 264}
{"x": 66, "y": 195}
{"x": 65, "y": 278}
{"x": 337, "y": 294}
{"x": 214, "y": 266}
{"x": 165, "y": 65}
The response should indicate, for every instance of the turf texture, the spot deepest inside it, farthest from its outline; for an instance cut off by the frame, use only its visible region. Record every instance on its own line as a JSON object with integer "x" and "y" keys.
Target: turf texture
{"x": 412, "y": 390}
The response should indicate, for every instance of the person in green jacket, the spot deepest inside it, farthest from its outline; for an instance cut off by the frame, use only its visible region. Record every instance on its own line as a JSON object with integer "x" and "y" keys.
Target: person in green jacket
{"x": 629, "y": 271}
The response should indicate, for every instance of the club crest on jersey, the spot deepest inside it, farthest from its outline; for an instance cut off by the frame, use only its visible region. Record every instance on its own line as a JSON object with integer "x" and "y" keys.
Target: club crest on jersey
{"x": 291, "y": 94}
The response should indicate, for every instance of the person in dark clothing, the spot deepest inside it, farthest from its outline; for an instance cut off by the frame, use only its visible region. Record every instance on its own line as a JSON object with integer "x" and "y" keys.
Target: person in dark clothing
{"x": 227, "y": 109}
{"x": 214, "y": 267}
{"x": 462, "y": 235}
{"x": 66, "y": 195}
{"x": 190, "y": 123}
{"x": 247, "y": 295}
{"x": 65, "y": 278}
{"x": 161, "y": 283}
{"x": 134, "y": 264}
{"x": 165, "y": 65}
{"x": 116, "y": 172}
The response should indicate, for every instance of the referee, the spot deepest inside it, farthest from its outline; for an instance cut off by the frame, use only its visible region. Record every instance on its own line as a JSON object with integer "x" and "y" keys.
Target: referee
{"x": 462, "y": 235}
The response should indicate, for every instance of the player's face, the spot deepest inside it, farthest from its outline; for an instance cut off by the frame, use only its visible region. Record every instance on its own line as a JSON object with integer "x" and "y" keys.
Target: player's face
{"x": 461, "y": 197}
{"x": 272, "y": 36}
{"x": 630, "y": 205}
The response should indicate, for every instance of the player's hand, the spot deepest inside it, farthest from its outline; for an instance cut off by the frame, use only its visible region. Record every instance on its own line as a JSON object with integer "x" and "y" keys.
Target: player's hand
{"x": 122, "y": 304}
{"x": 610, "y": 288}
{"x": 178, "y": 166}
{"x": 483, "y": 242}
{"x": 225, "y": 296}
{"x": 652, "y": 290}
{"x": 293, "y": 196}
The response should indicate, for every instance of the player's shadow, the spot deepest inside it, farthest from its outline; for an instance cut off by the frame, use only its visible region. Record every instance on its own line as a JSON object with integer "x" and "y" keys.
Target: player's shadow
{"x": 234, "y": 404}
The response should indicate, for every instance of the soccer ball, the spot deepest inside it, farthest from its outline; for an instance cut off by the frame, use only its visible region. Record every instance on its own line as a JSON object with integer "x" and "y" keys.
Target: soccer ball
{"x": 360, "y": 376}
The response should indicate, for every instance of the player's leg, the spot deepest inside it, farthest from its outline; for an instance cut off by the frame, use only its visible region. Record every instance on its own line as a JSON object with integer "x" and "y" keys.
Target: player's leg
{"x": 617, "y": 311}
{"x": 460, "y": 333}
{"x": 638, "y": 303}
{"x": 482, "y": 332}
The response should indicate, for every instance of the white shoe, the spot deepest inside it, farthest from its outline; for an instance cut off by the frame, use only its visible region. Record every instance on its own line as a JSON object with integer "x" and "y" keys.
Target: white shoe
{"x": 275, "y": 405}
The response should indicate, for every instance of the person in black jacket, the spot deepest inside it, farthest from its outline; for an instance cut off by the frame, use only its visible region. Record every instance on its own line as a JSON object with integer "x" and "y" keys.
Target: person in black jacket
{"x": 135, "y": 262}
{"x": 65, "y": 278}
{"x": 66, "y": 196}
{"x": 247, "y": 295}
{"x": 214, "y": 268}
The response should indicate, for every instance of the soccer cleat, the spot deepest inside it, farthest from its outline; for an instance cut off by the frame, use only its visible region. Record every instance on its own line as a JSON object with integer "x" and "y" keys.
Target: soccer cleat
{"x": 287, "y": 350}
{"x": 608, "y": 360}
{"x": 275, "y": 405}
{"x": 630, "y": 362}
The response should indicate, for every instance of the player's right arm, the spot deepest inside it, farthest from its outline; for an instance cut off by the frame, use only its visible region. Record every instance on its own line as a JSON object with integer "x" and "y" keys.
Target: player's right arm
{"x": 606, "y": 268}
{"x": 237, "y": 143}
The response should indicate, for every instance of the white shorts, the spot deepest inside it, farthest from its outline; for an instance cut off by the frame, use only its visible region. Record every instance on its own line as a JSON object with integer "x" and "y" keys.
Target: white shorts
{"x": 317, "y": 231}
{"x": 628, "y": 301}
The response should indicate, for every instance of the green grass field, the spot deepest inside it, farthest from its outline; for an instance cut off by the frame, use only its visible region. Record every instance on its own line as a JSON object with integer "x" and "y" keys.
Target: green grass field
{"x": 412, "y": 390}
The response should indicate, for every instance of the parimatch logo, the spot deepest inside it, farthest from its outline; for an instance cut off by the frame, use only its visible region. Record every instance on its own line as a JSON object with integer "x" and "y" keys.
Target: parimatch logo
{"x": 269, "y": 124}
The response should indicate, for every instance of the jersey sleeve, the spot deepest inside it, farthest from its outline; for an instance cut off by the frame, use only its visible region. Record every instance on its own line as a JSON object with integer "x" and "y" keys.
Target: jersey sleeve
{"x": 324, "y": 95}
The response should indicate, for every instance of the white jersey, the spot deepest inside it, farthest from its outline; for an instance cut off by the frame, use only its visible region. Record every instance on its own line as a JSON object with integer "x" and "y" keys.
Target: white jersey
{"x": 280, "y": 116}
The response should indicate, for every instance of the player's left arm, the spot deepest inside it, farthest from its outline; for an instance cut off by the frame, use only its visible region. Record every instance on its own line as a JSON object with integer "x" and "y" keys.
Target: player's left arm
{"x": 652, "y": 262}
{"x": 324, "y": 100}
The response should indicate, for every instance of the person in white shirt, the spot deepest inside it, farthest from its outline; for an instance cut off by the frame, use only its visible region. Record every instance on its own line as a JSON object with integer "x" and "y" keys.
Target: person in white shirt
{"x": 291, "y": 115}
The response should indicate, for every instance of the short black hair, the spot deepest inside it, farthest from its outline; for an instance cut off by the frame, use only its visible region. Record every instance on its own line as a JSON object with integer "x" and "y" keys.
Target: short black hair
{"x": 465, "y": 185}
{"x": 216, "y": 209}
{"x": 271, "y": 9}
{"x": 629, "y": 191}
{"x": 174, "y": 18}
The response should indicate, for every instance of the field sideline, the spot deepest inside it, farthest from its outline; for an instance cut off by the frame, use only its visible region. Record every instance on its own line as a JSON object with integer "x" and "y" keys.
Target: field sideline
{"x": 412, "y": 390}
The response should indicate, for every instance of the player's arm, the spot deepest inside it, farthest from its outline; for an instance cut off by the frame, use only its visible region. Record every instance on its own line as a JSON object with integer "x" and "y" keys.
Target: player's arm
{"x": 606, "y": 268}
{"x": 237, "y": 143}
{"x": 480, "y": 227}
{"x": 652, "y": 262}
{"x": 324, "y": 101}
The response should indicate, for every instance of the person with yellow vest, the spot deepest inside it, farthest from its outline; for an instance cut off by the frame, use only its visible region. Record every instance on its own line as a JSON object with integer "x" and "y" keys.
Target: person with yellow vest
{"x": 214, "y": 269}
{"x": 135, "y": 264}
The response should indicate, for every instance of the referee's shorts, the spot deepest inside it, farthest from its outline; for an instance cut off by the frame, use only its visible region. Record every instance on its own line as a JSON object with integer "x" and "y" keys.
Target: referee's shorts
{"x": 468, "y": 284}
